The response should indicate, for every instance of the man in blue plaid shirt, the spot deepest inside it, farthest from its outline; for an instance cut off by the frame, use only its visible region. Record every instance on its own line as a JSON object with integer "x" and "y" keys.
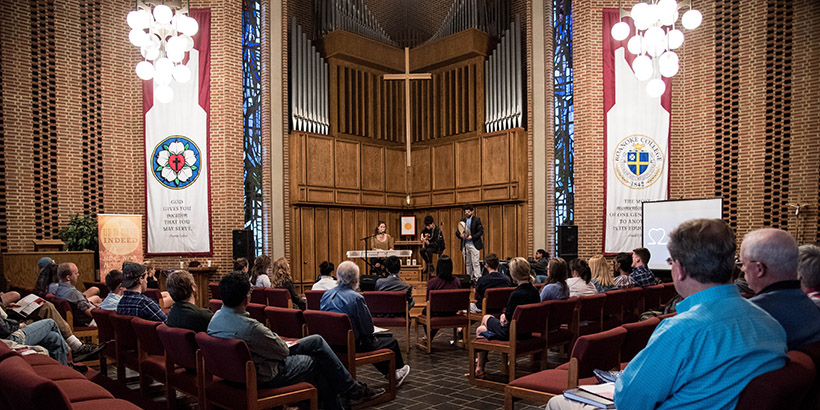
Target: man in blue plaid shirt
{"x": 133, "y": 302}
{"x": 640, "y": 273}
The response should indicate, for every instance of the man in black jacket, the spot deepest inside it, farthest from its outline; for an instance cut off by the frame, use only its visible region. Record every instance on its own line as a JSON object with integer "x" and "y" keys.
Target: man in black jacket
{"x": 433, "y": 241}
{"x": 471, "y": 243}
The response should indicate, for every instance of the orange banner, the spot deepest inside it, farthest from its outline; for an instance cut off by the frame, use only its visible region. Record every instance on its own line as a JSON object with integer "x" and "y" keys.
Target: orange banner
{"x": 120, "y": 238}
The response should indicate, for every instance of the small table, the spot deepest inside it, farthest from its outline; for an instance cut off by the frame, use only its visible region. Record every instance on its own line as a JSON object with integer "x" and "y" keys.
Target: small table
{"x": 201, "y": 278}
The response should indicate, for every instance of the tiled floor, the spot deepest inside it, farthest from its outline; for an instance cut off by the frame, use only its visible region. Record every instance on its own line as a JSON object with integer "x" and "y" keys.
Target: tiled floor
{"x": 436, "y": 381}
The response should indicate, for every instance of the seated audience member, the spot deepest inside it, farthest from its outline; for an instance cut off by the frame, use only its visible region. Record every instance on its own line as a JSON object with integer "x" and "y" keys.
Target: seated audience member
{"x": 113, "y": 281}
{"x": 640, "y": 272}
{"x": 601, "y": 274}
{"x": 43, "y": 333}
{"x": 539, "y": 265}
{"x": 704, "y": 356}
{"x": 769, "y": 258}
{"x": 282, "y": 280}
{"x": 309, "y": 360}
{"x": 133, "y": 302}
{"x": 344, "y": 299}
{"x": 808, "y": 269}
{"x": 444, "y": 280}
{"x": 556, "y": 287}
{"x": 153, "y": 283}
{"x": 325, "y": 281}
{"x": 492, "y": 279}
{"x": 499, "y": 328}
{"x": 241, "y": 264}
{"x": 47, "y": 280}
{"x": 393, "y": 282}
{"x": 81, "y": 304}
{"x": 580, "y": 284}
{"x": 184, "y": 312}
{"x": 259, "y": 273}
{"x": 740, "y": 279}
{"x": 623, "y": 266}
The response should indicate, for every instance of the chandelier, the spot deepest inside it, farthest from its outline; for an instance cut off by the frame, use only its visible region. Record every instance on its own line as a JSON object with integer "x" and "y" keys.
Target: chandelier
{"x": 163, "y": 36}
{"x": 655, "y": 38}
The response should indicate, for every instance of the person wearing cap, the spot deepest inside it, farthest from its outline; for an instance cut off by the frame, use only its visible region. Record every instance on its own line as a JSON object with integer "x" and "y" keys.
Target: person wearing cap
{"x": 133, "y": 302}
{"x": 47, "y": 279}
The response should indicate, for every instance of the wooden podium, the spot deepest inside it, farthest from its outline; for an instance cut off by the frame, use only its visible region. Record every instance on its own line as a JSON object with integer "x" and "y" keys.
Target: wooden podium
{"x": 411, "y": 272}
{"x": 201, "y": 278}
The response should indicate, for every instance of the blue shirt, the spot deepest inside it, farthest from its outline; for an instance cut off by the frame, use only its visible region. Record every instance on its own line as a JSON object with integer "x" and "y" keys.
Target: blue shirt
{"x": 110, "y": 302}
{"x": 343, "y": 299}
{"x": 268, "y": 350}
{"x": 139, "y": 305}
{"x": 643, "y": 276}
{"x": 703, "y": 357}
{"x": 554, "y": 291}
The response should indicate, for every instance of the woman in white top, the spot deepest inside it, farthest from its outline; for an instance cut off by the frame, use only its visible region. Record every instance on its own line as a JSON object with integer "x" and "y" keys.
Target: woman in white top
{"x": 580, "y": 284}
{"x": 259, "y": 272}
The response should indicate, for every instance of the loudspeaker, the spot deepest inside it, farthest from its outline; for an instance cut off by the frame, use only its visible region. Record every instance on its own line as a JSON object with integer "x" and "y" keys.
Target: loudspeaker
{"x": 568, "y": 242}
{"x": 243, "y": 244}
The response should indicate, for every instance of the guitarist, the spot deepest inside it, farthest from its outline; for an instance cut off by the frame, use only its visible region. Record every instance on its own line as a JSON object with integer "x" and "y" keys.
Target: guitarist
{"x": 432, "y": 241}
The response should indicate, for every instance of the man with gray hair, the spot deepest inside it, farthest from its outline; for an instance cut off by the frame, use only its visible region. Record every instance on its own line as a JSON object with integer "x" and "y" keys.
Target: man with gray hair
{"x": 344, "y": 299}
{"x": 808, "y": 271}
{"x": 769, "y": 260}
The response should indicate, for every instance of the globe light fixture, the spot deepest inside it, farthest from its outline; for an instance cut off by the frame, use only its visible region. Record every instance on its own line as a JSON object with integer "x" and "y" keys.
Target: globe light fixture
{"x": 163, "y": 34}
{"x": 654, "y": 38}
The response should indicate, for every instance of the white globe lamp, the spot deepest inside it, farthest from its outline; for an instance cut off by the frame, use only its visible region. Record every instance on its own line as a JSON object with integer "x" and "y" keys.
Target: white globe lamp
{"x": 642, "y": 66}
{"x": 655, "y": 87}
{"x": 691, "y": 19}
{"x": 620, "y": 31}
{"x": 164, "y": 94}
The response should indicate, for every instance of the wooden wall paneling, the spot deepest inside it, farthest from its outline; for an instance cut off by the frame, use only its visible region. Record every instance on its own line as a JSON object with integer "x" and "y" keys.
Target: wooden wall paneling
{"x": 510, "y": 232}
{"x": 335, "y": 232}
{"x": 422, "y": 169}
{"x": 459, "y": 100}
{"x": 321, "y": 239}
{"x": 496, "y": 159}
{"x": 334, "y": 101}
{"x": 436, "y": 96}
{"x": 308, "y": 242}
{"x": 355, "y": 96}
{"x": 348, "y": 234}
{"x": 451, "y": 102}
{"x": 372, "y": 163}
{"x": 395, "y": 165}
{"x": 363, "y": 103}
{"x": 468, "y": 173}
{"x": 296, "y": 242}
{"x": 321, "y": 155}
{"x": 493, "y": 231}
{"x": 347, "y": 163}
{"x": 378, "y": 106}
{"x": 479, "y": 95}
{"x": 524, "y": 244}
{"x": 342, "y": 100}
{"x": 458, "y": 259}
{"x": 444, "y": 163}
{"x": 363, "y": 228}
{"x": 471, "y": 104}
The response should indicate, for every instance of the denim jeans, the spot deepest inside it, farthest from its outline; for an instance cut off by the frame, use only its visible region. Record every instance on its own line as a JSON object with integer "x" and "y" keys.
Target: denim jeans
{"x": 45, "y": 333}
{"x": 312, "y": 361}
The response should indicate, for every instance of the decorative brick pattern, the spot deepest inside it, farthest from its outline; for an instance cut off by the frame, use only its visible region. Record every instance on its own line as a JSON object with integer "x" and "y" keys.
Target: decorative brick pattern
{"x": 4, "y": 234}
{"x": 91, "y": 99}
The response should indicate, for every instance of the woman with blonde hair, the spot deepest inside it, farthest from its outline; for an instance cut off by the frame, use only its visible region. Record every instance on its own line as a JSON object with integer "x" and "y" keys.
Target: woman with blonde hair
{"x": 494, "y": 328}
{"x": 280, "y": 278}
{"x": 601, "y": 274}
{"x": 259, "y": 273}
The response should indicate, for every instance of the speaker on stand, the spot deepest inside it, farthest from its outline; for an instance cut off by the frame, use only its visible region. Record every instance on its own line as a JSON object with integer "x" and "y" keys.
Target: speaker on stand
{"x": 243, "y": 246}
{"x": 568, "y": 242}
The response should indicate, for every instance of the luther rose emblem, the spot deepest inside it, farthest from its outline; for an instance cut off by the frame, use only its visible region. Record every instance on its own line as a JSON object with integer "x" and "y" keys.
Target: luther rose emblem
{"x": 176, "y": 162}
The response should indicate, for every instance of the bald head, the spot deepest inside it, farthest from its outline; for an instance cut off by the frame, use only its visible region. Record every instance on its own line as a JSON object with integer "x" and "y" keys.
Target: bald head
{"x": 768, "y": 256}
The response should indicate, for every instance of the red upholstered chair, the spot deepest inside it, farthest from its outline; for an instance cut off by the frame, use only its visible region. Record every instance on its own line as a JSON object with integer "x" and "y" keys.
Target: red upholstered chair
{"x": 154, "y": 294}
{"x": 257, "y": 311}
{"x": 214, "y": 288}
{"x": 495, "y": 300}
{"x": 527, "y": 327}
{"x": 812, "y": 400}
{"x": 214, "y": 305}
{"x": 560, "y": 323}
{"x": 106, "y": 335}
{"x": 235, "y": 385}
{"x": 125, "y": 345}
{"x": 278, "y": 297}
{"x": 633, "y": 304}
{"x": 150, "y": 351}
{"x": 180, "y": 363}
{"x": 314, "y": 298}
{"x": 64, "y": 307}
{"x": 590, "y": 312}
{"x": 392, "y": 304}
{"x": 652, "y": 296}
{"x": 100, "y": 285}
{"x": 668, "y": 315}
{"x": 443, "y": 311}
{"x": 258, "y": 296}
{"x": 668, "y": 293}
{"x": 637, "y": 335}
{"x": 595, "y": 351}
{"x": 287, "y": 323}
{"x": 783, "y": 388}
{"x": 614, "y": 308}
{"x": 337, "y": 331}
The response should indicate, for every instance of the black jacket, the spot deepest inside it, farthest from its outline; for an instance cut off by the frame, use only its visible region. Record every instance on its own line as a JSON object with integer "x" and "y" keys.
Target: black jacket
{"x": 476, "y": 231}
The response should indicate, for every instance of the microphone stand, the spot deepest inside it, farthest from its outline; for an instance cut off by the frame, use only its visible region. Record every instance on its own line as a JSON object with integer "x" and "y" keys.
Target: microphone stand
{"x": 366, "y": 255}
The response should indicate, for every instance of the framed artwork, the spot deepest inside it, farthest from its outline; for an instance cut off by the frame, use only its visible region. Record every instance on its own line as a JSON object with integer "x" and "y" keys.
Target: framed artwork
{"x": 408, "y": 225}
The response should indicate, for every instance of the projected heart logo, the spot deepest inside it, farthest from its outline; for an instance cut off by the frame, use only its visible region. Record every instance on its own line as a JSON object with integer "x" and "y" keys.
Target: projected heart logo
{"x": 657, "y": 236}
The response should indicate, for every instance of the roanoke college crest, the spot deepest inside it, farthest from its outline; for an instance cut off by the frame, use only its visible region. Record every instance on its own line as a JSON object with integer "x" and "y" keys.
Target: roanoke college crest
{"x": 638, "y": 161}
{"x": 176, "y": 162}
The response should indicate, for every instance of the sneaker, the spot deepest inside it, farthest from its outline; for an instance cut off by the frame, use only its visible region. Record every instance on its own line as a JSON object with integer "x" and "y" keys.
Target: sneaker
{"x": 86, "y": 350}
{"x": 362, "y": 394}
{"x": 79, "y": 367}
{"x": 474, "y": 308}
{"x": 401, "y": 374}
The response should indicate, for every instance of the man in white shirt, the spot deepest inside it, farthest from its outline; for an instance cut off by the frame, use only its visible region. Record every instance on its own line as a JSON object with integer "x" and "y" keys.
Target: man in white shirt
{"x": 325, "y": 281}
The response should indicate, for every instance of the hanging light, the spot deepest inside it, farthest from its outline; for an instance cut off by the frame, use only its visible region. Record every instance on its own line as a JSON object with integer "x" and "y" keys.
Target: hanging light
{"x": 655, "y": 87}
{"x": 163, "y": 35}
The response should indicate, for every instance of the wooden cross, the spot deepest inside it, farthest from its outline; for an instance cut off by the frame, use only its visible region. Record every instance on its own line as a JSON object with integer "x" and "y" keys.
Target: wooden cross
{"x": 407, "y": 76}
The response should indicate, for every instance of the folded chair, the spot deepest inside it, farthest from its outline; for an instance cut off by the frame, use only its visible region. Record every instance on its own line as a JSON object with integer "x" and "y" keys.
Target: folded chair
{"x": 181, "y": 372}
{"x": 259, "y": 296}
{"x": 446, "y": 308}
{"x": 527, "y": 329}
{"x": 337, "y": 331}
{"x": 595, "y": 351}
{"x": 812, "y": 400}
{"x": 314, "y": 298}
{"x": 106, "y": 335}
{"x": 781, "y": 389}
{"x": 561, "y": 322}
{"x": 287, "y": 323}
{"x": 235, "y": 385}
{"x": 125, "y": 345}
{"x": 214, "y": 305}
{"x": 278, "y": 297}
{"x": 389, "y": 309}
{"x": 257, "y": 311}
{"x": 150, "y": 351}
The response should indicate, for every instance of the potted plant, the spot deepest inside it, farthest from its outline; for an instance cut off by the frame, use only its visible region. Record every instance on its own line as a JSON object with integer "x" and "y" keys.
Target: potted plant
{"x": 81, "y": 233}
